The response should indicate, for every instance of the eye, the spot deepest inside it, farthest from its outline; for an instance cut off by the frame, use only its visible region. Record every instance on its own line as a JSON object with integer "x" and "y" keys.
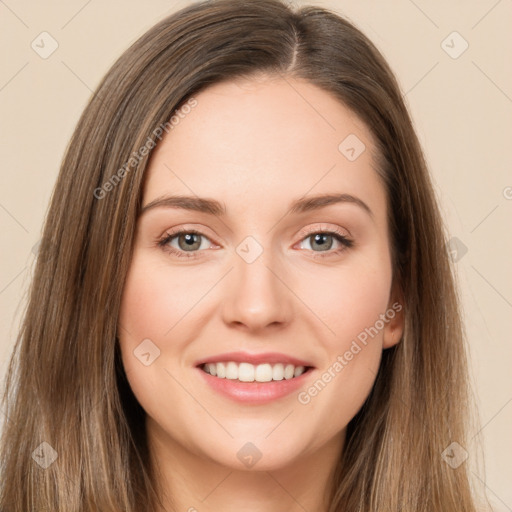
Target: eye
{"x": 187, "y": 240}
{"x": 324, "y": 241}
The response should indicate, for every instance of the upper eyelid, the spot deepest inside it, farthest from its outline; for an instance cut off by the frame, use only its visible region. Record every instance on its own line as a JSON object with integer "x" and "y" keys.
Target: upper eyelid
{"x": 323, "y": 228}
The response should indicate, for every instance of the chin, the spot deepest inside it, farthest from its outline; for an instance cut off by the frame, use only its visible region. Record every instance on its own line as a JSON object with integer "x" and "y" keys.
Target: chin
{"x": 244, "y": 454}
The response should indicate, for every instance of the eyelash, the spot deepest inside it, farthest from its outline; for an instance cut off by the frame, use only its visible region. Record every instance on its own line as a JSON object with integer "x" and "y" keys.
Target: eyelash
{"x": 340, "y": 237}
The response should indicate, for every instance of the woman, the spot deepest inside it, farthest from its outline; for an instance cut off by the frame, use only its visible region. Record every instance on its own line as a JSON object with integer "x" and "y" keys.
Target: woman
{"x": 243, "y": 291}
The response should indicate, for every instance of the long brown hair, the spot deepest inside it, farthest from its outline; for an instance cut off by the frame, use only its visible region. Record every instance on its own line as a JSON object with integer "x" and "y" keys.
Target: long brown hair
{"x": 66, "y": 385}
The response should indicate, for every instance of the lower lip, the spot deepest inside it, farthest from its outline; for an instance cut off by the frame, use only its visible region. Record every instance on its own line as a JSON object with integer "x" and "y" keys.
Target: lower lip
{"x": 255, "y": 392}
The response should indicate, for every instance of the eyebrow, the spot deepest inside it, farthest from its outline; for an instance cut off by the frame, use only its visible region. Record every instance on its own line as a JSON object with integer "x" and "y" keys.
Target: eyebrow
{"x": 218, "y": 209}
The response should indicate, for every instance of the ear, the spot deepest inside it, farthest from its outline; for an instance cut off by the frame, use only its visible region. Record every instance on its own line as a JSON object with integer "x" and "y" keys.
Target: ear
{"x": 394, "y": 327}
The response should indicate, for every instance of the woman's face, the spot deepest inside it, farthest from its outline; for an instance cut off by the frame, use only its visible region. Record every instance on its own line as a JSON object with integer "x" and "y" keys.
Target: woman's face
{"x": 270, "y": 278}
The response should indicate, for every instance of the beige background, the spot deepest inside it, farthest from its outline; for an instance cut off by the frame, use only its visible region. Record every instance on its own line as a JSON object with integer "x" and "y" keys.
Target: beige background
{"x": 462, "y": 108}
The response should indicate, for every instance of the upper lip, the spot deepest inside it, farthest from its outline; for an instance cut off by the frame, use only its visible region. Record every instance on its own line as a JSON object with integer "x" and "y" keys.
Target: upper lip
{"x": 245, "y": 357}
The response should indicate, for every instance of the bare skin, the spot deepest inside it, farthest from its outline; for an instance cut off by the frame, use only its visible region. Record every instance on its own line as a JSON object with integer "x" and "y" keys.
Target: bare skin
{"x": 256, "y": 146}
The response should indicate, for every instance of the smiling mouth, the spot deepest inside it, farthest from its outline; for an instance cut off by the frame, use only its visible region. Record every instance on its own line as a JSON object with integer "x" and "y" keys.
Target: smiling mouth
{"x": 247, "y": 372}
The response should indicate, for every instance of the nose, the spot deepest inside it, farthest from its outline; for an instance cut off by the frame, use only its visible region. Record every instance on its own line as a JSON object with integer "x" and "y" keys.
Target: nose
{"x": 257, "y": 296}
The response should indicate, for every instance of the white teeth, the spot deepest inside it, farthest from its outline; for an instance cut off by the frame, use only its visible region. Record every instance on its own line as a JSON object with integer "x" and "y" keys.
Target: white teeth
{"x": 298, "y": 371}
{"x": 263, "y": 373}
{"x": 278, "y": 372}
{"x": 288, "y": 371}
{"x": 232, "y": 371}
{"x": 246, "y": 372}
{"x": 221, "y": 370}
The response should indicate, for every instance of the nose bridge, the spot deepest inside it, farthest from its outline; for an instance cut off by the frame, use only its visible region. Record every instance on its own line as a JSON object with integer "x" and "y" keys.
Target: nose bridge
{"x": 256, "y": 294}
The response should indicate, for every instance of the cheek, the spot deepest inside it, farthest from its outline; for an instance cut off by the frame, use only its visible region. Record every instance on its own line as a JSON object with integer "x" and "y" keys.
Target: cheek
{"x": 150, "y": 308}
{"x": 351, "y": 303}
{"x": 155, "y": 299}
{"x": 154, "y": 302}
{"x": 352, "y": 306}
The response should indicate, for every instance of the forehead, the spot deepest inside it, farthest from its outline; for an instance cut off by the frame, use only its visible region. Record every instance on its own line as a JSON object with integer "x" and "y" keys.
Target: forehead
{"x": 262, "y": 141}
